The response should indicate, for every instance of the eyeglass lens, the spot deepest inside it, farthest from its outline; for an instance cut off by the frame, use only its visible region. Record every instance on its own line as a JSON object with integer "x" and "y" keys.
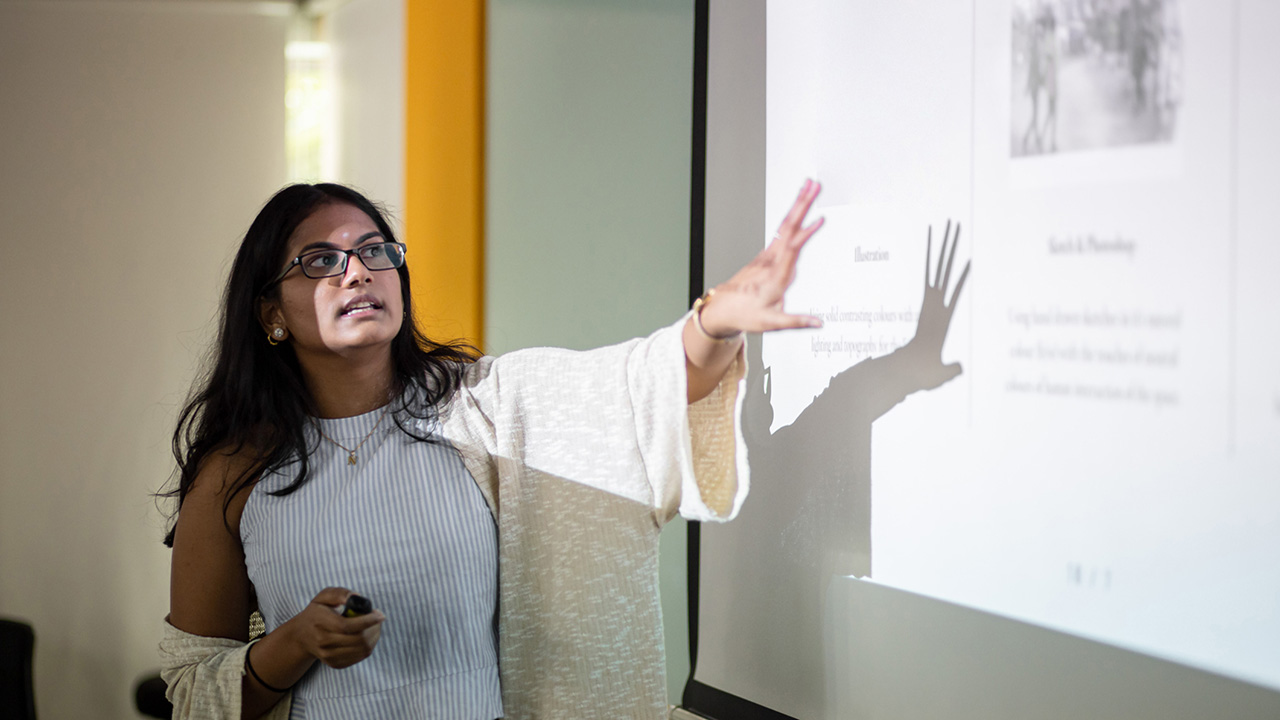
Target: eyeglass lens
{"x": 375, "y": 256}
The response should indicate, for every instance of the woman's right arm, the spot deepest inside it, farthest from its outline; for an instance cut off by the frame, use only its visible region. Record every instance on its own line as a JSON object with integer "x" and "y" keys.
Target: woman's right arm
{"x": 210, "y": 595}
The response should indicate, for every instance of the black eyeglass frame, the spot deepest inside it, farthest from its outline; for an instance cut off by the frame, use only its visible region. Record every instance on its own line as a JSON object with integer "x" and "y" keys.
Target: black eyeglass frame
{"x": 337, "y": 270}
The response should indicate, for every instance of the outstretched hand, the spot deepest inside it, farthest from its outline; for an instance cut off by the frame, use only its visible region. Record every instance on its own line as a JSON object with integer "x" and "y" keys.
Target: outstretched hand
{"x": 752, "y": 300}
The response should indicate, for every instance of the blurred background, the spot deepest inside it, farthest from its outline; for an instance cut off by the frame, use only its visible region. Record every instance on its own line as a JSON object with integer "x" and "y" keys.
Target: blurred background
{"x": 535, "y": 155}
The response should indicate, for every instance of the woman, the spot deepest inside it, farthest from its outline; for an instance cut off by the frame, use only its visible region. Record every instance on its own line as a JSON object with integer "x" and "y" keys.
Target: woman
{"x": 333, "y": 449}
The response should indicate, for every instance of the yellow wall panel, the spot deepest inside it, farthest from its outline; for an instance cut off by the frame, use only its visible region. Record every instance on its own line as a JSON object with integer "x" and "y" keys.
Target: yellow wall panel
{"x": 444, "y": 165}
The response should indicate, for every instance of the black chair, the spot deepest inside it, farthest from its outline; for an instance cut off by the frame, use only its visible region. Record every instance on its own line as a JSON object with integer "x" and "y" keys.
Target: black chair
{"x": 17, "y": 685}
{"x": 150, "y": 700}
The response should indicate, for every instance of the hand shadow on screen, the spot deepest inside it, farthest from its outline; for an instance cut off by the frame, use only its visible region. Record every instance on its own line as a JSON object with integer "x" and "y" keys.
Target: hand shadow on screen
{"x": 820, "y": 523}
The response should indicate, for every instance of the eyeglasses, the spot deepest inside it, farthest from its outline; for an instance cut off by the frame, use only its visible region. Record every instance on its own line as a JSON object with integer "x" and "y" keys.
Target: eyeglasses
{"x": 329, "y": 263}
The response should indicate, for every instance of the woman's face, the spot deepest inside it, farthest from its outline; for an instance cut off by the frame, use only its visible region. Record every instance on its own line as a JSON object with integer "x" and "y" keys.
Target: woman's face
{"x": 343, "y": 314}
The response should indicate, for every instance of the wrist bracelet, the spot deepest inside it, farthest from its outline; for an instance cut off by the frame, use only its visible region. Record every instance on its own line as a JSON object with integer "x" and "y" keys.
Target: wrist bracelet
{"x": 249, "y": 666}
{"x": 697, "y": 320}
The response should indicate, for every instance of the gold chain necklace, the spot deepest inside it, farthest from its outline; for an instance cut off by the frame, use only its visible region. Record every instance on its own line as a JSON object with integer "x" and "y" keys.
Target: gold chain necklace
{"x": 351, "y": 452}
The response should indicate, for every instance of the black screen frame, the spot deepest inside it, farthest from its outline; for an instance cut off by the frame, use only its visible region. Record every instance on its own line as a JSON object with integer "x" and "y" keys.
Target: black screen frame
{"x": 698, "y": 697}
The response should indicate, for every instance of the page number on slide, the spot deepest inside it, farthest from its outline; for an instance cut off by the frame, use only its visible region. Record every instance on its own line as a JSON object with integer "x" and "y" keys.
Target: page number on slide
{"x": 1088, "y": 577}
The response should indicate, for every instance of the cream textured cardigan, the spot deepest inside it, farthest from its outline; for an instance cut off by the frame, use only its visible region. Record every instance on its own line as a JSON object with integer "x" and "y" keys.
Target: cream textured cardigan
{"x": 582, "y": 457}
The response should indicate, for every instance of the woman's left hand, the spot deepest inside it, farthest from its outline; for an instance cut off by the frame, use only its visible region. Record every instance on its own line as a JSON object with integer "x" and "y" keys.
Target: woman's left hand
{"x": 752, "y": 300}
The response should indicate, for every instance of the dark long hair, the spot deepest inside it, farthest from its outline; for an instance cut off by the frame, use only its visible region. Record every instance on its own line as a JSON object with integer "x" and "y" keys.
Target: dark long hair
{"x": 253, "y": 399}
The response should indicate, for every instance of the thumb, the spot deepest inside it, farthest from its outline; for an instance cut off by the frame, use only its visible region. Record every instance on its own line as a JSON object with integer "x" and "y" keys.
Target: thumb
{"x": 938, "y": 375}
{"x": 951, "y": 372}
{"x": 332, "y": 596}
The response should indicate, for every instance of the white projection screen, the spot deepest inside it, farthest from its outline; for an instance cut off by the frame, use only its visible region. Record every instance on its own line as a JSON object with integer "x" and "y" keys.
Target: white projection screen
{"x": 1030, "y": 467}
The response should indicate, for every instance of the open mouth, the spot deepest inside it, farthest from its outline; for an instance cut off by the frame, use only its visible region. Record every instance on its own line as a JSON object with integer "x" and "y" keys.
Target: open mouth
{"x": 360, "y": 306}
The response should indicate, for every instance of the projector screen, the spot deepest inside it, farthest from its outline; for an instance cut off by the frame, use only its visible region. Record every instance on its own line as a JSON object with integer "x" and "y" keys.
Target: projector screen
{"x": 1048, "y": 385}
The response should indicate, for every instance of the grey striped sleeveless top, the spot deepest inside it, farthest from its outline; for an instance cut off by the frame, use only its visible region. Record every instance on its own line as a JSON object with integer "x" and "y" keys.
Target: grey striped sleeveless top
{"x": 407, "y": 527}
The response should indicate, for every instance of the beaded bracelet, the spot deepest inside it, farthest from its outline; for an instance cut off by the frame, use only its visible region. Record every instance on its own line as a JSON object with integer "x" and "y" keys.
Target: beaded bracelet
{"x": 697, "y": 320}
{"x": 249, "y": 666}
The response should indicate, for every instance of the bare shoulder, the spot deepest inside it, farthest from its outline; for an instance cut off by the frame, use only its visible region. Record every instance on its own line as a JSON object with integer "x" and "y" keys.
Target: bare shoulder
{"x": 209, "y": 589}
{"x": 220, "y": 475}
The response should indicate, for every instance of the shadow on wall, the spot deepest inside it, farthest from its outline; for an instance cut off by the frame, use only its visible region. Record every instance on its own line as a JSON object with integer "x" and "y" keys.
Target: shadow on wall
{"x": 821, "y": 527}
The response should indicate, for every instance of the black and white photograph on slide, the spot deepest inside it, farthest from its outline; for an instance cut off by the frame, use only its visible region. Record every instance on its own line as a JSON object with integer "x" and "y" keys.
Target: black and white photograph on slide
{"x": 1093, "y": 74}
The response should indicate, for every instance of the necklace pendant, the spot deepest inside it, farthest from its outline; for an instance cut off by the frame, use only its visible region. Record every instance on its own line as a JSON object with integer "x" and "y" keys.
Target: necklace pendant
{"x": 351, "y": 459}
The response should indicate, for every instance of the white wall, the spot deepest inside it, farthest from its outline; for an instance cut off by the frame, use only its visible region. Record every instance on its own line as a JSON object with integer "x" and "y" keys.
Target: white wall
{"x": 368, "y": 40}
{"x": 138, "y": 140}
